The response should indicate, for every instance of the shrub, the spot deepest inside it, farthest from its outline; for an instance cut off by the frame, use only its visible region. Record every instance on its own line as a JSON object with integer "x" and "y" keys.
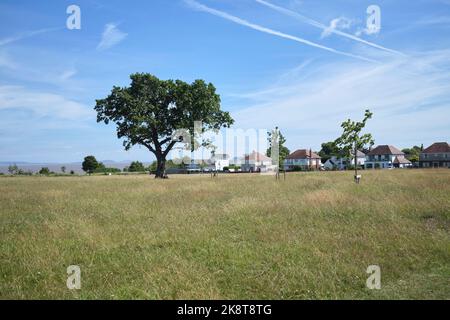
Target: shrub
{"x": 105, "y": 170}
{"x": 13, "y": 169}
{"x": 152, "y": 168}
{"x": 136, "y": 166}
{"x": 44, "y": 171}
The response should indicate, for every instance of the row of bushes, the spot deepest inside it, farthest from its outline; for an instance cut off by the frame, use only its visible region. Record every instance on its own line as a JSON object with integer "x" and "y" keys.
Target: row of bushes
{"x": 16, "y": 171}
{"x": 232, "y": 167}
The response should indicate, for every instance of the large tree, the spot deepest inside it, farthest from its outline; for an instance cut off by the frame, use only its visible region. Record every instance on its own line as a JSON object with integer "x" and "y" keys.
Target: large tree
{"x": 150, "y": 112}
{"x": 352, "y": 140}
{"x": 90, "y": 164}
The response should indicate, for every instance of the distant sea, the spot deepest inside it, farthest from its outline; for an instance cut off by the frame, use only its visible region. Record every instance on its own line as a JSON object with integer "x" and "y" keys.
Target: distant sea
{"x": 56, "y": 167}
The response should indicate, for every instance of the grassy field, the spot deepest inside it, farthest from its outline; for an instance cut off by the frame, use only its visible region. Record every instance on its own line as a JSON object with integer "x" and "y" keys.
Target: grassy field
{"x": 235, "y": 237}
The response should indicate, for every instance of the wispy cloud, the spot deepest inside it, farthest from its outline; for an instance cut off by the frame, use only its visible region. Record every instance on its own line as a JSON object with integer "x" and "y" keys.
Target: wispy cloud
{"x": 437, "y": 20}
{"x": 42, "y": 104}
{"x": 111, "y": 36}
{"x": 340, "y": 23}
{"x": 39, "y": 72}
{"x": 66, "y": 75}
{"x": 320, "y": 25}
{"x": 26, "y": 34}
{"x": 198, "y": 6}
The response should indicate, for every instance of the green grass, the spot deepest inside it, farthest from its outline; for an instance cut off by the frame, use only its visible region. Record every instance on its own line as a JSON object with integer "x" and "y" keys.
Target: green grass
{"x": 235, "y": 237}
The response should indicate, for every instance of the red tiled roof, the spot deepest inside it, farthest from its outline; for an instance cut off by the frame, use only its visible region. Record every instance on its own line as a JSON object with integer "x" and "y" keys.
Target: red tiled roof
{"x": 438, "y": 147}
{"x": 385, "y": 149}
{"x": 302, "y": 154}
{"x": 256, "y": 156}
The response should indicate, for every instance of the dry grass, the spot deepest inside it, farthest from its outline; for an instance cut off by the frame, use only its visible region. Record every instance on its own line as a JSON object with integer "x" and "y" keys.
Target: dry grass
{"x": 235, "y": 237}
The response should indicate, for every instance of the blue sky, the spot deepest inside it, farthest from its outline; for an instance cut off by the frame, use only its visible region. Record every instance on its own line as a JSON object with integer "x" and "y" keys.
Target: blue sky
{"x": 302, "y": 65}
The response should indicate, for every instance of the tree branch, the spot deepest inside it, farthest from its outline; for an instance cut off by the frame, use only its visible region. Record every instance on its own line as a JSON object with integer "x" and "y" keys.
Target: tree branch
{"x": 169, "y": 147}
{"x": 165, "y": 141}
{"x": 148, "y": 146}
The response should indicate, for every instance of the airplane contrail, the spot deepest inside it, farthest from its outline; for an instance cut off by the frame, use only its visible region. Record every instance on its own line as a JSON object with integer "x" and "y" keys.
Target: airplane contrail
{"x": 196, "y": 5}
{"x": 319, "y": 25}
{"x": 24, "y": 35}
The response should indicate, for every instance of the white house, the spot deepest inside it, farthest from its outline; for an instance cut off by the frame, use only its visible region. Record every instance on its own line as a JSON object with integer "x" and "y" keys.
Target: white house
{"x": 342, "y": 163}
{"x": 219, "y": 161}
{"x": 385, "y": 156}
{"x": 304, "y": 159}
{"x": 257, "y": 162}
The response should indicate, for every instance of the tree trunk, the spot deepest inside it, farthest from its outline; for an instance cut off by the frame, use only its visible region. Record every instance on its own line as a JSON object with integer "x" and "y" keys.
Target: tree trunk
{"x": 161, "y": 168}
{"x": 356, "y": 162}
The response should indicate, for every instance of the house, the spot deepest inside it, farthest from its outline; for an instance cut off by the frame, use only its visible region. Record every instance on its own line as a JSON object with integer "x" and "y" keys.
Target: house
{"x": 342, "y": 163}
{"x": 219, "y": 161}
{"x": 435, "y": 156}
{"x": 303, "y": 159}
{"x": 257, "y": 162}
{"x": 384, "y": 156}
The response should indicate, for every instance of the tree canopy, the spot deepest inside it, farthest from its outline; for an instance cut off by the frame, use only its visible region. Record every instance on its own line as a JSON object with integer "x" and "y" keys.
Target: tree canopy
{"x": 413, "y": 154}
{"x": 328, "y": 150}
{"x": 352, "y": 140}
{"x": 150, "y": 112}
{"x": 89, "y": 164}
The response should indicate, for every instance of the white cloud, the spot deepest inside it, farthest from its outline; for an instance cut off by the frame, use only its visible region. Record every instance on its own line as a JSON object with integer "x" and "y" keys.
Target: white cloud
{"x": 340, "y": 23}
{"x": 198, "y": 6}
{"x": 409, "y": 98}
{"x": 111, "y": 36}
{"x": 42, "y": 104}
